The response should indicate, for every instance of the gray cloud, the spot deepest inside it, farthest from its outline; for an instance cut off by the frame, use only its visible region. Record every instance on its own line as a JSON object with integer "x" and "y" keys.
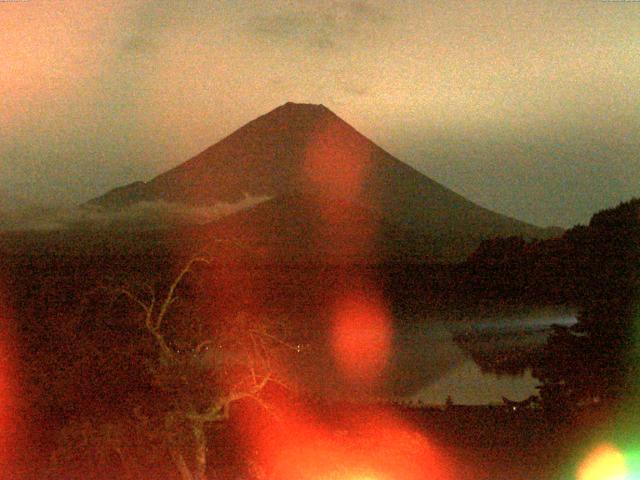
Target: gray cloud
{"x": 325, "y": 25}
{"x": 137, "y": 43}
{"x": 151, "y": 214}
{"x": 354, "y": 87}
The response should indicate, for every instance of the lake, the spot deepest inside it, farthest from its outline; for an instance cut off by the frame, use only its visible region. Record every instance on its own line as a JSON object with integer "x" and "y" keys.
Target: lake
{"x": 427, "y": 365}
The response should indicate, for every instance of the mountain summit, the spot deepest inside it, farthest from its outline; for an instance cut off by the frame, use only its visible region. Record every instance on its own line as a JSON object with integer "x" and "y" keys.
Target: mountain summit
{"x": 308, "y": 161}
{"x": 261, "y": 158}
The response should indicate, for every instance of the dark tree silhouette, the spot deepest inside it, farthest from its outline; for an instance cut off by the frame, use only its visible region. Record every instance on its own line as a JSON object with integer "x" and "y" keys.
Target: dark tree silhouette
{"x": 190, "y": 371}
{"x": 594, "y": 360}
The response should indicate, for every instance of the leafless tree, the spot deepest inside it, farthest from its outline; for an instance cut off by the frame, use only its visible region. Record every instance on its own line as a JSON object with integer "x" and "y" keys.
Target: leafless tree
{"x": 198, "y": 370}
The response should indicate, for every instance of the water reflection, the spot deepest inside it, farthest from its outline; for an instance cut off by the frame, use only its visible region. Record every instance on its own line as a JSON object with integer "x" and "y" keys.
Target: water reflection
{"x": 468, "y": 384}
{"x": 430, "y": 362}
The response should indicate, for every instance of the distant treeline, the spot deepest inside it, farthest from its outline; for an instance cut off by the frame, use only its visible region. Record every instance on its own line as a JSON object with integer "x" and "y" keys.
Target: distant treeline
{"x": 596, "y": 269}
{"x": 570, "y": 269}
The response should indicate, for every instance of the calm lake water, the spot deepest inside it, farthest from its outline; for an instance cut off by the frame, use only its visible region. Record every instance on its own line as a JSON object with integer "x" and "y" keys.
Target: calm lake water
{"x": 427, "y": 365}
{"x": 464, "y": 381}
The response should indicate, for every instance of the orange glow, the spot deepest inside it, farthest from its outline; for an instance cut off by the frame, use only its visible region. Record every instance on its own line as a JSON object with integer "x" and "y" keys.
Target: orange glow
{"x": 8, "y": 397}
{"x": 374, "y": 447}
{"x": 336, "y": 168}
{"x": 604, "y": 463}
{"x": 361, "y": 336}
{"x": 52, "y": 53}
{"x": 365, "y": 477}
{"x": 337, "y": 161}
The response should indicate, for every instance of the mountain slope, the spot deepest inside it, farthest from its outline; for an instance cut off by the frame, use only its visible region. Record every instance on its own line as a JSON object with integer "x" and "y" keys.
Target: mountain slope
{"x": 300, "y": 152}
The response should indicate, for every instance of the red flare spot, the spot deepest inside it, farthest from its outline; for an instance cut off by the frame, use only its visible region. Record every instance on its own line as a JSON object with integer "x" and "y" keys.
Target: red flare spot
{"x": 372, "y": 447}
{"x": 8, "y": 389}
{"x": 338, "y": 160}
{"x": 361, "y": 336}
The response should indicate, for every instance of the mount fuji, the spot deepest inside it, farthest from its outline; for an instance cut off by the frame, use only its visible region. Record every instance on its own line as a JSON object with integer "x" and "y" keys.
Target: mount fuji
{"x": 304, "y": 179}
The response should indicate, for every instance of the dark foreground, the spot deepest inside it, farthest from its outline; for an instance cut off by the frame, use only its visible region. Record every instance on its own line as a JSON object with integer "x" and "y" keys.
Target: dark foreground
{"x": 464, "y": 442}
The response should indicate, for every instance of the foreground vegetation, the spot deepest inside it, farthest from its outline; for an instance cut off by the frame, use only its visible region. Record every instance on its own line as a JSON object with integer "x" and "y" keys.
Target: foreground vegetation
{"x": 137, "y": 365}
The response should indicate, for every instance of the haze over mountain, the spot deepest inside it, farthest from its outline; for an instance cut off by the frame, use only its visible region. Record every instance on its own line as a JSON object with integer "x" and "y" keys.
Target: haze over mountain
{"x": 315, "y": 169}
{"x": 17, "y": 212}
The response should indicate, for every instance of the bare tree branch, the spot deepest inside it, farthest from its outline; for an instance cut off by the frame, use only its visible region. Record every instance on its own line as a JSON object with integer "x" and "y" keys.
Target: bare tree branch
{"x": 244, "y": 347}
{"x": 170, "y": 297}
{"x": 134, "y": 298}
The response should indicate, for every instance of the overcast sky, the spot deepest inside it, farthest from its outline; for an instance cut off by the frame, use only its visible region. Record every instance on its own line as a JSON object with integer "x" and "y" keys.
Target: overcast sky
{"x": 530, "y": 108}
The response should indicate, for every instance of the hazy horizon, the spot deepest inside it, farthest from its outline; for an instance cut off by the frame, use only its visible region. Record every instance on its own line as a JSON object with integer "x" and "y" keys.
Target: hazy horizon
{"x": 529, "y": 109}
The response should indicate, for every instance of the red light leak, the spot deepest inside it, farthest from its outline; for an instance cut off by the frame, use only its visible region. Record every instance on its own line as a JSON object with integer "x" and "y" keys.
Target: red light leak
{"x": 361, "y": 336}
{"x": 337, "y": 161}
{"x": 336, "y": 167}
{"x": 8, "y": 389}
{"x": 380, "y": 447}
{"x": 296, "y": 446}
